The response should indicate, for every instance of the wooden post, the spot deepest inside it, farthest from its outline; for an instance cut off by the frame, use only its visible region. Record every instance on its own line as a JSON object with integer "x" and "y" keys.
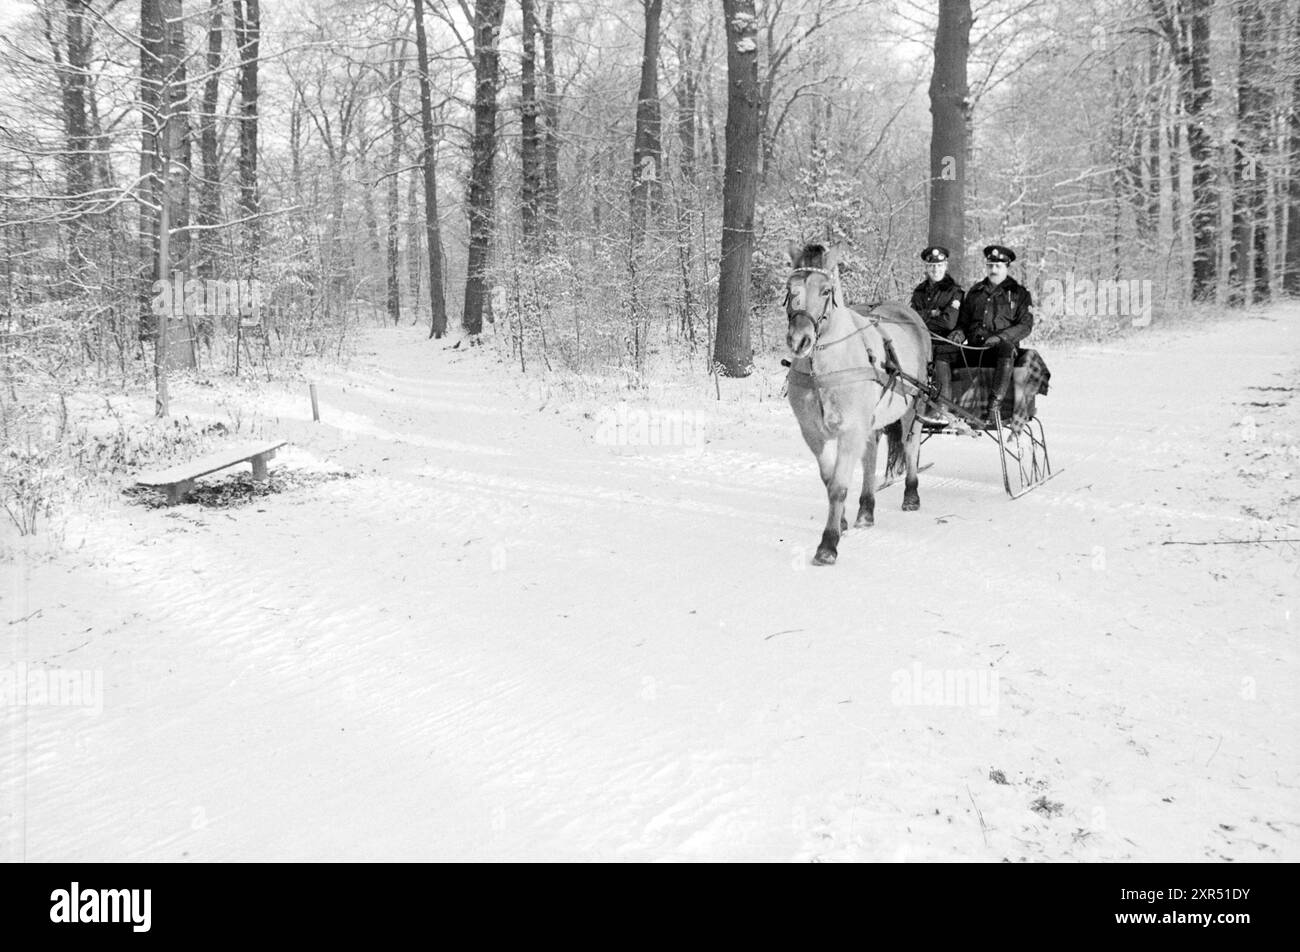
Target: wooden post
{"x": 176, "y": 492}
{"x": 315, "y": 408}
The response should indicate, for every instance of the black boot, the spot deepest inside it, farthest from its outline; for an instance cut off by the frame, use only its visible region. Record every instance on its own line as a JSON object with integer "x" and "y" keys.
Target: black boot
{"x": 936, "y": 412}
{"x": 1001, "y": 384}
{"x": 943, "y": 379}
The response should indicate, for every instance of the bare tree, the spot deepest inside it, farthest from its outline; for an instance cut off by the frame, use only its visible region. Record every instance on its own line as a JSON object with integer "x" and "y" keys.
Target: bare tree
{"x": 732, "y": 352}
{"x": 785, "y": 31}
{"x": 433, "y": 238}
{"x": 1186, "y": 27}
{"x": 210, "y": 179}
{"x": 1250, "y": 191}
{"x": 153, "y": 113}
{"x": 248, "y": 33}
{"x": 686, "y": 194}
{"x": 646, "y": 157}
{"x": 74, "y": 84}
{"x": 530, "y": 136}
{"x": 1291, "y": 159}
{"x": 487, "y": 28}
{"x": 393, "y": 207}
{"x": 949, "y": 107}
{"x": 551, "y": 111}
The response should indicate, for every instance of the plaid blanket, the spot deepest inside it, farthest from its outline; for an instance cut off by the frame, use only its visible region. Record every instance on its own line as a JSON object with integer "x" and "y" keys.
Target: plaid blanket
{"x": 971, "y": 387}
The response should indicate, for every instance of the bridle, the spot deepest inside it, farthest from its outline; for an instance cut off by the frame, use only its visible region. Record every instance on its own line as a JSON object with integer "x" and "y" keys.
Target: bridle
{"x": 818, "y": 321}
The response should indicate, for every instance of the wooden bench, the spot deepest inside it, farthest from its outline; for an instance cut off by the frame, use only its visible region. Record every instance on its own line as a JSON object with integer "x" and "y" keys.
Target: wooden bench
{"x": 179, "y": 480}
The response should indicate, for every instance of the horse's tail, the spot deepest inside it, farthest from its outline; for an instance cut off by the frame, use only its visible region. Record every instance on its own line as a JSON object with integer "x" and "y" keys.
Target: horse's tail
{"x": 894, "y": 462}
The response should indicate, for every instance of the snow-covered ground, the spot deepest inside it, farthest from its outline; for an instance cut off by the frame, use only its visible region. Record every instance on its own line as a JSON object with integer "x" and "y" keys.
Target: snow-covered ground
{"x": 518, "y": 632}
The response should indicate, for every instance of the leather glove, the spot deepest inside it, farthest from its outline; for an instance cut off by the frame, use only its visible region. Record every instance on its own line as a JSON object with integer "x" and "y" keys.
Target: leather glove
{"x": 958, "y": 336}
{"x": 992, "y": 341}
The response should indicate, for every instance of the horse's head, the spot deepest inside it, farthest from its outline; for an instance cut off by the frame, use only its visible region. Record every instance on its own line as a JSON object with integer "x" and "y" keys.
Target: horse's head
{"x": 811, "y": 292}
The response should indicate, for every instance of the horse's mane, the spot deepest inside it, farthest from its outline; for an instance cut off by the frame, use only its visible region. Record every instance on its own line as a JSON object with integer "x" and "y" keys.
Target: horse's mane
{"x": 813, "y": 255}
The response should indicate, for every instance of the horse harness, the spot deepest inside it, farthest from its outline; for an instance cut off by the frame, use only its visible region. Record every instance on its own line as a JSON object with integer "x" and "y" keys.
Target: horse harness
{"x": 891, "y": 367}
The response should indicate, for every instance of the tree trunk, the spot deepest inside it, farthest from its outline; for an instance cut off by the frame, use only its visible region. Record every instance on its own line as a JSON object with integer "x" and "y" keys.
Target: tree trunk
{"x": 949, "y": 95}
{"x": 530, "y": 137}
{"x": 487, "y": 28}
{"x": 1166, "y": 179}
{"x": 377, "y": 252}
{"x": 1186, "y": 25}
{"x": 295, "y": 148}
{"x": 414, "y": 240}
{"x": 73, "y": 77}
{"x": 1254, "y": 111}
{"x": 248, "y": 30}
{"x": 1205, "y": 197}
{"x": 104, "y": 174}
{"x": 210, "y": 181}
{"x": 74, "y": 85}
{"x": 551, "y": 179}
{"x": 732, "y": 352}
{"x": 1291, "y": 277}
{"x": 1154, "y": 182}
{"x": 646, "y": 157}
{"x": 428, "y": 160}
{"x": 687, "y": 86}
{"x": 177, "y": 172}
{"x": 161, "y": 65}
{"x": 151, "y": 49}
{"x": 393, "y": 209}
{"x": 686, "y": 190}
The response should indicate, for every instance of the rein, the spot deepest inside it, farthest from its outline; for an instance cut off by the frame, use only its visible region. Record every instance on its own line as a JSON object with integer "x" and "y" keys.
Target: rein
{"x": 885, "y": 373}
{"x": 832, "y": 378}
{"x": 871, "y": 322}
{"x": 965, "y": 358}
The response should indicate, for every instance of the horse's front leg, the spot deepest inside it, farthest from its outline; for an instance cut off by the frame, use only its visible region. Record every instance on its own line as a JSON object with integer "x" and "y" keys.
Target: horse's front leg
{"x": 867, "y": 501}
{"x": 848, "y": 451}
{"x": 912, "y": 456}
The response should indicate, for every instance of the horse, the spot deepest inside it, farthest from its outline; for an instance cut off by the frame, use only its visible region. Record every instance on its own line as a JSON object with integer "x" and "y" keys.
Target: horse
{"x": 844, "y": 386}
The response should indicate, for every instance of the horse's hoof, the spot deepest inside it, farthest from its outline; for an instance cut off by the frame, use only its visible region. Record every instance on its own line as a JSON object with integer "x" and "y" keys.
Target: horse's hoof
{"x": 911, "y": 503}
{"x": 824, "y": 558}
{"x": 864, "y": 522}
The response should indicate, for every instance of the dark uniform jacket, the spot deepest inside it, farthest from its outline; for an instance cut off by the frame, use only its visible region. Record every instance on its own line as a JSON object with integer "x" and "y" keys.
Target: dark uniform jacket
{"x": 1004, "y": 310}
{"x": 937, "y": 304}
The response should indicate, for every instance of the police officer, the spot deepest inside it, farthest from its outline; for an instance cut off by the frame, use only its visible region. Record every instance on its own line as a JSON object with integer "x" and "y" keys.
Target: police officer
{"x": 997, "y": 314}
{"x": 938, "y": 299}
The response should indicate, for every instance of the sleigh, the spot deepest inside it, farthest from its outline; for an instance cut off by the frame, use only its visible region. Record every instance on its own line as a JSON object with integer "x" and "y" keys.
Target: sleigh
{"x": 1014, "y": 426}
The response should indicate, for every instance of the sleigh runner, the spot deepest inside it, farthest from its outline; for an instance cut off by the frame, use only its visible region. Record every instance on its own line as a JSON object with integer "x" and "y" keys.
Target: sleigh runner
{"x": 1014, "y": 426}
